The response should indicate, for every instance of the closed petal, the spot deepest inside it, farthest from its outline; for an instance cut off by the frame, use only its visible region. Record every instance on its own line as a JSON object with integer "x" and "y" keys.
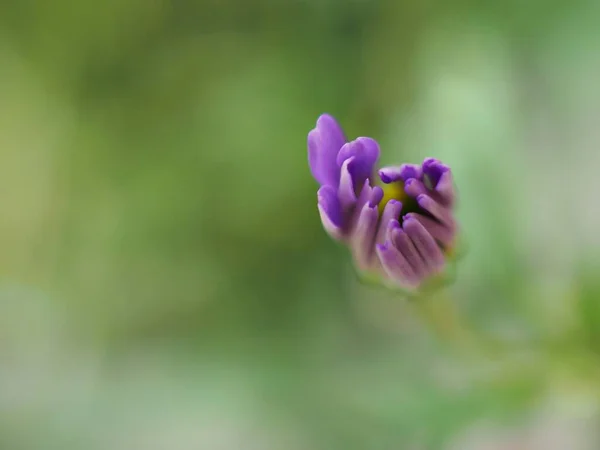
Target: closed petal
{"x": 441, "y": 213}
{"x": 389, "y": 174}
{"x": 324, "y": 144}
{"x": 397, "y": 173}
{"x": 392, "y": 211}
{"x": 376, "y": 196}
{"x": 441, "y": 233}
{"x": 396, "y": 267}
{"x": 346, "y": 190}
{"x": 406, "y": 246}
{"x": 433, "y": 169}
{"x": 445, "y": 188}
{"x": 440, "y": 177}
{"x": 442, "y": 193}
{"x": 364, "y": 197}
{"x": 363, "y": 236}
{"x": 331, "y": 212}
{"x": 414, "y": 187}
{"x": 365, "y": 153}
{"x": 428, "y": 249}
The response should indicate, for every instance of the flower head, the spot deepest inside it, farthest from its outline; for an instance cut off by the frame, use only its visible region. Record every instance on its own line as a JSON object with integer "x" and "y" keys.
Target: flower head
{"x": 398, "y": 222}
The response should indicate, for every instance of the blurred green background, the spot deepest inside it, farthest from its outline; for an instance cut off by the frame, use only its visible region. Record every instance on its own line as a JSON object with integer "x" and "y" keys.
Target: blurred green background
{"x": 165, "y": 282}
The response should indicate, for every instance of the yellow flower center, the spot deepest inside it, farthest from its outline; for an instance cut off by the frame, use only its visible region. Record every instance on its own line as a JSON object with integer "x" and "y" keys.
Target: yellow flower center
{"x": 395, "y": 191}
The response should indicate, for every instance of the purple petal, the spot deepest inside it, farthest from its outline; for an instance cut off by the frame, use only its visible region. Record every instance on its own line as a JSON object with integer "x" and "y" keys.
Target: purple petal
{"x": 364, "y": 197}
{"x": 362, "y": 148}
{"x": 410, "y": 171}
{"x": 414, "y": 187}
{"x": 441, "y": 213}
{"x": 376, "y": 196}
{"x": 362, "y": 237}
{"x": 441, "y": 233}
{"x": 400, "y": 173}
{"x": 365, "y": 153}
{"x": 440, "y": 177}
{"x": 324, "y": 144}
{"x": 368, "y": 196}
{"x": 392, "y": 211}
{"x": 403, "y": 172}
{"x": 389, "y": 174}
{"x": 396, "y": 266}
{"x": 425, "y": 244}
{"x": 405, "y": 246}
{"x": 444, "y": 196}
{"x": 434, "y": 169}
{"x": 330, "y": 211}
{"x": 346, "y": 191}
{"x": 445, "y": 188}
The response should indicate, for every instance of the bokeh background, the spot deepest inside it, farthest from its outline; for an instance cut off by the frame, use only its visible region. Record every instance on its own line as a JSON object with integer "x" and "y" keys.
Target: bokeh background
{"x": 165, "y": 282}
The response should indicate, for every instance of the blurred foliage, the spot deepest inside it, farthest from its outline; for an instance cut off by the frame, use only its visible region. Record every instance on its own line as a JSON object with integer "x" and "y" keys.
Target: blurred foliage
{"x": 164, "y": 278}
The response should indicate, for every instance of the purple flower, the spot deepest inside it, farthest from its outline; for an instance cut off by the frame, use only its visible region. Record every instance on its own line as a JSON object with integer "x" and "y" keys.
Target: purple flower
{"x": 399, "y": 225}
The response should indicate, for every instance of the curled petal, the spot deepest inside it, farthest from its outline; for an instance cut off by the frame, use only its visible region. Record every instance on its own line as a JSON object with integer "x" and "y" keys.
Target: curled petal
{"x": 363, "y": 236}
{"x": 364, "y": 149}
{"x": 403, "y": 172}
{"x": 392, "y": 211}
{"x": 445, "y": 188}
{"x": 441, "y": 213}
{"x": 365, "y": 197}
{"x": 389, "y": 174}
{"x": 376, "y": 196}
{"x": 442, "y": 193}
{"x": 426, "y": 246}
{"x": 441, "y": 233}
{"x": 434, "y": 169}
{"x": 346, "y": 190}
{"x": 330, "y": 211}
{"x": 396, "y": 266}
{"x": 414, "y": 187}
{"x": 406, "y": 246}
{"x": 324, "y": 144}
{"x": 364, "y": 153}
{"x": 410, "y": 171}
{"x": 440, "y": 177}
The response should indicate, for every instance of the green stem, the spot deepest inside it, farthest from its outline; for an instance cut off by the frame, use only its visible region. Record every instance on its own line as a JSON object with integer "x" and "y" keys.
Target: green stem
{"x": 441, "y": 315}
